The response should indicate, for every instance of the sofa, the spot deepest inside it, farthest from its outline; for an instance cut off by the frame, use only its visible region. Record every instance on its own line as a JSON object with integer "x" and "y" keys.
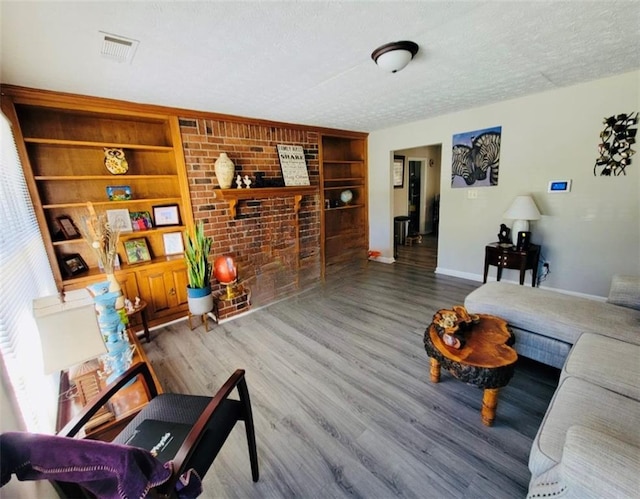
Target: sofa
{"x": 588, "y": 444}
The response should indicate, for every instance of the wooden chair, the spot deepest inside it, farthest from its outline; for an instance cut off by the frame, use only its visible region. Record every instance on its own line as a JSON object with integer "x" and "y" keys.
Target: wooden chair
{"x": 211, "y": 420}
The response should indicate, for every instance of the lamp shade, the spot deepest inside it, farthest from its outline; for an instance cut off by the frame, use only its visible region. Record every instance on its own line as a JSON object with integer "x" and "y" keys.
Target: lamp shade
{"x": 523, "y": 208}
{"x": 69, "y": 332}
{"x": 394, "y": 56}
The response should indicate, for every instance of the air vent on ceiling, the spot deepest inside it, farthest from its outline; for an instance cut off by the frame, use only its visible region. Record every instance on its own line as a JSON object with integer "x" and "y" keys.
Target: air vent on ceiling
{"x": 118, "y": 48}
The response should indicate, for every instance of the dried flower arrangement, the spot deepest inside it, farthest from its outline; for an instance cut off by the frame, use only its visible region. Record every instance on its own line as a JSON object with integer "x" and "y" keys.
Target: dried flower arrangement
{"x": 101, "y": 237}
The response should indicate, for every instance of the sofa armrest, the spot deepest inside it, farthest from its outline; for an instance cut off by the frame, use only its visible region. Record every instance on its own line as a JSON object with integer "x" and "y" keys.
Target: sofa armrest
{"x": 625, "y": 291}
{"x": 597, "y": 465}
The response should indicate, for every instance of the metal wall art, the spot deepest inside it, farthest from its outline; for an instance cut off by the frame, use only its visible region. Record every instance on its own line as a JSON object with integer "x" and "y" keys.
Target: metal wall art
{"x": 615, "y": 147}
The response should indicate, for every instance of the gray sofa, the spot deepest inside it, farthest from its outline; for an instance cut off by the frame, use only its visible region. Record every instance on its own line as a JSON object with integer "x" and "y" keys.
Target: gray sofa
{"x": 588, "y": 444}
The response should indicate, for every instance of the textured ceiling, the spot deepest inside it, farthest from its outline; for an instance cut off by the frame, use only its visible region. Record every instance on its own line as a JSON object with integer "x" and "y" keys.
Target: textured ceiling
{"x": 309, "y": 62}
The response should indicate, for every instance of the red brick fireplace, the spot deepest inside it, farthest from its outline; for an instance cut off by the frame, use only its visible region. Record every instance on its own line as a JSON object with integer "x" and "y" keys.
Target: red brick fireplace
{"x": 262, "y": 236}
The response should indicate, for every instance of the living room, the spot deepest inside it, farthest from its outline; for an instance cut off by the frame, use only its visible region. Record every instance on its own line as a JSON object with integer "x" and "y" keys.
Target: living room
{"x": 587, "y": 235}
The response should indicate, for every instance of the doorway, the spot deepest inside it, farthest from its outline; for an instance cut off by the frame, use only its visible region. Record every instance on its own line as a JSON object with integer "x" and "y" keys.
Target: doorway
{"x": 418, "y": 200}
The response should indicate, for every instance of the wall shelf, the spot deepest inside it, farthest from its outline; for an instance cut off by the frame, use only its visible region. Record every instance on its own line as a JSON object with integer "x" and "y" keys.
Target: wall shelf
{"x": 232, "y": 196}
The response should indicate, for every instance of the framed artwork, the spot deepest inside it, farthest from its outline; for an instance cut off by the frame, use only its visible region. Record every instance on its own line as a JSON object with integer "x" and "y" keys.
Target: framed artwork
{"x": 119, "y": 192}
{"x": 141, "y": 220}
{"x": 166, "y": 215}
{"x": 293, "y": 164}
{"x": 398, "y": 172}
{"x": 68, "y": 228}
{"x": 119, "y": 219}
{"x": 475, "y": 158}
{"x": 173, "y": 243}
{"x": 73, "y": 265}
{"x": 137, "y": 250}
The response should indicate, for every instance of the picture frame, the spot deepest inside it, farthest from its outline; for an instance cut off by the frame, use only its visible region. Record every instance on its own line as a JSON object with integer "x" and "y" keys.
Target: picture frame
{"x": 166, "y": 215}
{"x": 398, "y": 172}
{"x": 119, "y": 193}
{"x": 140, "y": 220}
{"x": 136, "y": 250}
{"x": 173, "y": 243}
{"x": 293, "y": 165}
{"x": 68, "y": 228}
{"x": 73, "y": 265}
{"x": 120, "y": 219}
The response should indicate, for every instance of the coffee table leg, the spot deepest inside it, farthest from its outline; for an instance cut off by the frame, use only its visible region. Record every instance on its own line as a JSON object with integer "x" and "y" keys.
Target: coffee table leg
{"x": 435, "y": 370}
{"x": 489, "y": 405}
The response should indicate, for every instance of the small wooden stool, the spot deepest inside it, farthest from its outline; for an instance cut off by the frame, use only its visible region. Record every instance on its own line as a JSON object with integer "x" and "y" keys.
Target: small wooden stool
{"x": 409, "y": 240}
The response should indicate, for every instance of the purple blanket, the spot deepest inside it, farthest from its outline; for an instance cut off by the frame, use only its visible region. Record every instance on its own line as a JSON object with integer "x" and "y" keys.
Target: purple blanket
{"x": 105, "y": 469}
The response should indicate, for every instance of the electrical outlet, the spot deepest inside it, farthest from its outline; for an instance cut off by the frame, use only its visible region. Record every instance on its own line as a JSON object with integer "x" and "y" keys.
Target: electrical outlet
{"x": 472, "y": 194}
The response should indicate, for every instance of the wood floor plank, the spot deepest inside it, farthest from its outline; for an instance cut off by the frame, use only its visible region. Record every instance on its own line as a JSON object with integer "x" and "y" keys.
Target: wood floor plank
{"x": 342, "y": 400}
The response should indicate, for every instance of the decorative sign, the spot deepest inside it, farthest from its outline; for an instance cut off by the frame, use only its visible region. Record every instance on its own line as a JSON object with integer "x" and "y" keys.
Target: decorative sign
{"x": 293, "y": 164}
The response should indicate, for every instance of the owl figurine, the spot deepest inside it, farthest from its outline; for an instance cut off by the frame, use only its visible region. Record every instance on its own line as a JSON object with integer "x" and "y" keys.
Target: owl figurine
{"x": 115, "y": 161}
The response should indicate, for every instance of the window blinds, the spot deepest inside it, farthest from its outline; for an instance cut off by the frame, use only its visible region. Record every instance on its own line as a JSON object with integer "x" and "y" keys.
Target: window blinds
{"x": 25, "y": 274}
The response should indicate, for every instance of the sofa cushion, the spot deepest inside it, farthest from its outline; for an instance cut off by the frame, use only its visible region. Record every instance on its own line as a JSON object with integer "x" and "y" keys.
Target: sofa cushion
{"x": 609, "y": 363}
{"x": 625, "y": 291}
{"x": 550, "y": 313}
{"x": 577, "y": 402}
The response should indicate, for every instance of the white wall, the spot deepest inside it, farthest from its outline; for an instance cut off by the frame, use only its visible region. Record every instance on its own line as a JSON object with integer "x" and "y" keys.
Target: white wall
{"x": 586, "y": 235}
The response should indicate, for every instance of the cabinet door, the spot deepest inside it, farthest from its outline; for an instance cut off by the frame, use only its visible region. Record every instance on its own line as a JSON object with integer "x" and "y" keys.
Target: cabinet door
{"x": 164, "y": 289}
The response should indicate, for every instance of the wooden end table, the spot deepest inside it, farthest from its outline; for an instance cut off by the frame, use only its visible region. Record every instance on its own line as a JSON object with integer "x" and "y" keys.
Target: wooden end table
{"x": 509, "y": 257}
{"x": 142, "y": 310}
{"x": 487, "y": 359}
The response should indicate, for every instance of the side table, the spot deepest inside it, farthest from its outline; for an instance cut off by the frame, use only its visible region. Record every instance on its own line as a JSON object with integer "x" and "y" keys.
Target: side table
{"x": 509, "y": 257}
{"x": 142, "y": 310}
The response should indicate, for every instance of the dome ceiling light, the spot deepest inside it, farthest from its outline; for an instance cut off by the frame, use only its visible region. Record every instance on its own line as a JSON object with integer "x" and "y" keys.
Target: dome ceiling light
{"x": 394, "y": 56}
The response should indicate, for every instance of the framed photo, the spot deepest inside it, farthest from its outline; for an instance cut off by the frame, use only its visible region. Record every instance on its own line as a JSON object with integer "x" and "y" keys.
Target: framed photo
{"x": 68, "y": 228}
{"x": 293, "y": 164}
{"x": 73, "y": 265}
{"x": 173, "y": 243}
{"x": 141, "y": 220}
{"x": 119, "y": 192}
{"x": 137, "y": 250}
{"x": 119, "y": 219}
{"x": 166, "y": 215}
{"x": 398, "y": 172}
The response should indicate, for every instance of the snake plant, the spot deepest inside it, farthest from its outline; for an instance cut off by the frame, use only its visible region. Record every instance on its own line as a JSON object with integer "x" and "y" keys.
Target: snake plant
{"x": 197, "y": 257}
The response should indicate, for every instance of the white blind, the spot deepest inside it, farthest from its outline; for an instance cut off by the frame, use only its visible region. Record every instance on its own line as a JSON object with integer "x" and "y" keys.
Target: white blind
{"x": 25, "y": 274}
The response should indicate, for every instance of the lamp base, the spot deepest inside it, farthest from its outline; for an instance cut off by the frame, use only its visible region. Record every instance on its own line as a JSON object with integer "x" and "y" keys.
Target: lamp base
{"x": 518, "y": 226}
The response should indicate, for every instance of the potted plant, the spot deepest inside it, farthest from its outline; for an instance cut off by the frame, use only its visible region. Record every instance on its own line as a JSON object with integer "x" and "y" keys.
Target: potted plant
{"x": 196, "y": 256}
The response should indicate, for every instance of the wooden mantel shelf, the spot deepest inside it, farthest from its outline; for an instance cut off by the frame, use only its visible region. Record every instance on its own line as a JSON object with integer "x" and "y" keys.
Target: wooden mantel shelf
{"x": 233, "y": 195}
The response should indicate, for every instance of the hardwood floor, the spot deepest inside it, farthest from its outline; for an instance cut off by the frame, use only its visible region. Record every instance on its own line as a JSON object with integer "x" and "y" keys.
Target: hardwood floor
{"x": 423, "y": 254}
{"x": 343, "y": 405}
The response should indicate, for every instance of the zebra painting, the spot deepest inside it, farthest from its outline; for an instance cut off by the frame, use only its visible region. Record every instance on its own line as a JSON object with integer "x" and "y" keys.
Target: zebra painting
{"x": 475, "y": 159}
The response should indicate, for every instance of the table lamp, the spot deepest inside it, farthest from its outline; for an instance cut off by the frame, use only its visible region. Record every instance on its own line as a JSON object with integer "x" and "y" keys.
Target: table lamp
{"x": 521, "y": 211}
{"x": 68, "y": 328}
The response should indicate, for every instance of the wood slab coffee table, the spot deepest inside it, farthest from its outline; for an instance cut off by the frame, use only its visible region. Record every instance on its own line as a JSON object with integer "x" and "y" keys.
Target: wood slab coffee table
{"x": 486, "y": 360}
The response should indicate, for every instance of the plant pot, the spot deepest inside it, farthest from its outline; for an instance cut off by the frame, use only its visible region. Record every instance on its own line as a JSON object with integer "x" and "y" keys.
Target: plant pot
{"x": 200, "y": 300}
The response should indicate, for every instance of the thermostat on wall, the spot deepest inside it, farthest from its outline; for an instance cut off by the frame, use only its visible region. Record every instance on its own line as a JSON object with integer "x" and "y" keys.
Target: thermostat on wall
{"x": 557, "y": 186}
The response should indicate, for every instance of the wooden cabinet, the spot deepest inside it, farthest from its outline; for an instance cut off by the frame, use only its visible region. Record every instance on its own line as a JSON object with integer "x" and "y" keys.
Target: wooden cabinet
{"x": 61, "y": 139}
{"x": 164, "y": 288}
{"x": 343, "y": 172}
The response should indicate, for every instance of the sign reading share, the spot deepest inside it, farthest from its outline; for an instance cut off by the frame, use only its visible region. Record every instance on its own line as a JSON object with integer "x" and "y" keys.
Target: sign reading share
{"x": 293, "y": 164}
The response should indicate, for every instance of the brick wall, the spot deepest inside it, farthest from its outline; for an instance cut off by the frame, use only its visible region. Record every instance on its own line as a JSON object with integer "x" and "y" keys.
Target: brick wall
{"x": 262, "y": 238}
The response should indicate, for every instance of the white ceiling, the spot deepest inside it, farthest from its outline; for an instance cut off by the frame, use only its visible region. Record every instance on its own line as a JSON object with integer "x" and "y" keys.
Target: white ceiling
{"x": 309, "y": 62}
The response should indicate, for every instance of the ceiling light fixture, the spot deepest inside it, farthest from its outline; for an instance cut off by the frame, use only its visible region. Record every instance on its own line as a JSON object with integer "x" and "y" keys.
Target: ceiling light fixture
{"x": 394, "y": 56}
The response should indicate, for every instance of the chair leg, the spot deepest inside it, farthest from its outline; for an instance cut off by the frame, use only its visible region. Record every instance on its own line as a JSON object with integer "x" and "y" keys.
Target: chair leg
{"x": 248, "y": 424}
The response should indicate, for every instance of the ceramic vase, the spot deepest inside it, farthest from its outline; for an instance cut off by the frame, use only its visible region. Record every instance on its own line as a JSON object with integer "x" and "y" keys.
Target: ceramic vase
{"x": 225, "y": 171}
{"x": 114, "y": 287}
{"x": 120, "y": 352}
